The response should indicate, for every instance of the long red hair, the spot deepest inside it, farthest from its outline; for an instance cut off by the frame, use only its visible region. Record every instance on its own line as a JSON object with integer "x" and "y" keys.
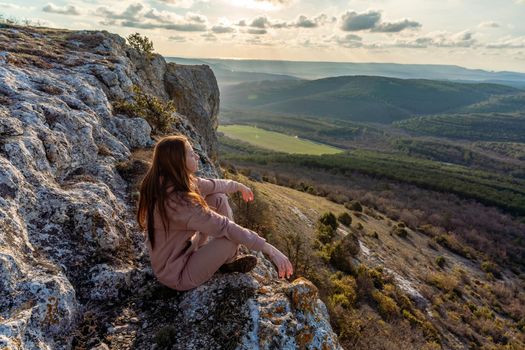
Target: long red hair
{"x": 168, "y": 168}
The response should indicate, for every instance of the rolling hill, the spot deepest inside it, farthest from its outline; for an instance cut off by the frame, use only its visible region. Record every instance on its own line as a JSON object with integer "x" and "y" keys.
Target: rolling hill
{"x": 369, "y": 98}
{"x": 420, "y": 292}
{"x": 503, "y": 127}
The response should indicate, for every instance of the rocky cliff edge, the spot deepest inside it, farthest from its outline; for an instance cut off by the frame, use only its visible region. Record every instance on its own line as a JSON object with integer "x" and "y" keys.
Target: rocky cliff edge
{"x": 74, "y": 271}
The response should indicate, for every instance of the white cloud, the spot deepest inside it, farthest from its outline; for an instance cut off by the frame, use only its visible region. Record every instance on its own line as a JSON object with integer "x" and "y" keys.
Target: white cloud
{"x": 221, "y": 29}
{"x": 394, "y": 27}
{"x": 209, "y": 37}
{"x": 302, "y": 21}
{"x": 260, "y": 22}
{"x": 13, "y": 6}
{"x": 264, "y": 5}
{"x": 256, "y": 31}
{"x": 352, "y": 21}
{"x": 177, "y": 38}
{"x": 160, "y": 16}
{"x": 182, "y": 3}
{"x": 489, "y": 24}
{"x": 181, "y": 27}
{"x": 305, "y": 22}
{"x": 276, "y": 2}
{"x": 138, "y": 16}
{"x": 508, "y": 43}
{"x": 463, "y": 39}
{"x": 195, "y": 17}
{"x": 257, "y": 41}
{"x": 131, "y": 13}
{"x": 65, "y": 10}
{"x": 309, "y": 43}
{"x": 348, "y": 41}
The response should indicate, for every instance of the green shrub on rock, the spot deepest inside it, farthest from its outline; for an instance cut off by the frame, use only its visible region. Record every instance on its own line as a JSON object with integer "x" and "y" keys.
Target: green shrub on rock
{"x": 490, "y": 267}
{"x": 325, "y": 233}
{"x": 345, "y": 219}
{"x": 158, "y": 114}
{"x": 354, "y": 205}
{"x": 327, "y": 227}
{"x": 440, "y": 261}
{"x": 401, "y": 232}
{"x": 344, "y": 291}
{"x": 386, "y": 306}
{"x": 329, "y": 218}
{"x": 341, "y": 257}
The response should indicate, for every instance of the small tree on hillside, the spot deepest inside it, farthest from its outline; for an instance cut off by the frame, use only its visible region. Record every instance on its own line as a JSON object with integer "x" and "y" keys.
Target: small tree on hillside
{"x": 254, "y": 215}
{"x": 345, "y": 219}
{"x": 354, "y": 205}
{"x": 327, "y": 227}
{"x": 325, "y": 233}
{"x": 298, "y": 248}
{"x": 141, "y": 43}
{"x": 329, "y": 219}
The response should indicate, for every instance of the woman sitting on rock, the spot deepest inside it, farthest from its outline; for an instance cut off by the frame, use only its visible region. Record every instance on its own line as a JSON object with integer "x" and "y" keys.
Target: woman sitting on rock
{"x": 187, "y": 241}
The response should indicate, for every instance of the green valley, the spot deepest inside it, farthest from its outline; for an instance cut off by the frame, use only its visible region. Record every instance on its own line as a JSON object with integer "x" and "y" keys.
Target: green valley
{"x": 276, "y": 141}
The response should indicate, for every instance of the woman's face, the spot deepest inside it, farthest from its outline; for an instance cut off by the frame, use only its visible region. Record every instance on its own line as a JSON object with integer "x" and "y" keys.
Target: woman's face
{"x": 192, "y": 159}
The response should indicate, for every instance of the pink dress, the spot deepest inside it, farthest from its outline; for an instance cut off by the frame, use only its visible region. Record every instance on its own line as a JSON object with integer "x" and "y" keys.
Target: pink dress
{"x": 181, "y": 259}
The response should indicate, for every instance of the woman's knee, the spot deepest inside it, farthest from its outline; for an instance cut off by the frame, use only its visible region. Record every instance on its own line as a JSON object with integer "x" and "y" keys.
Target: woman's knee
{"x": 225, "y": 245}
{"x": 215, "y": 199}
{"x": 220, "y": 203}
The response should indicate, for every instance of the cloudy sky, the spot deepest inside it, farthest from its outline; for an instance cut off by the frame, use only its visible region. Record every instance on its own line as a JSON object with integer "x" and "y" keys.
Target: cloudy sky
{"x": 485, "y": 34}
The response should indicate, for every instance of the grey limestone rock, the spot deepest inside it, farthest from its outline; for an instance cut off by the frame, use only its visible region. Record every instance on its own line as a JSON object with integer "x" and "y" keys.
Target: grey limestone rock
{"x": 74, "y": 272}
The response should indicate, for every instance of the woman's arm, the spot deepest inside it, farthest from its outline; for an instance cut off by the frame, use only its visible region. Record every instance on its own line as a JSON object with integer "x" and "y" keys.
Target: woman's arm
{"x": 216, "y": 225}
{"x": 209, "y": 186}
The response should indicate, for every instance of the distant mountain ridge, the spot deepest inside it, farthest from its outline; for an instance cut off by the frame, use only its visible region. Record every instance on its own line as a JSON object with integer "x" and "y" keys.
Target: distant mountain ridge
{"x": 318, "y": 70}
{"x": 226, "y": 76}
{"x": 370, "y": 98}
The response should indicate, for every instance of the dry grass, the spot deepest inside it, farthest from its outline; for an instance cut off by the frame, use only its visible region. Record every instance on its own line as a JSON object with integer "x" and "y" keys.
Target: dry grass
{"x": 457, "y": 291}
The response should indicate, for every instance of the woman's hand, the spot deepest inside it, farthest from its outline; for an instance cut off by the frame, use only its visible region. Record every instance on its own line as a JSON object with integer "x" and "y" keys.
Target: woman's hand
{"x": 247, "y": 193}
{"x": 284, "y": 266}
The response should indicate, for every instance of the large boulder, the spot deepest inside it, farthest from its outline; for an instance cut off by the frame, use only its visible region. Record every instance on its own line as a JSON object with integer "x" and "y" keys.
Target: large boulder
{"x": 195, "y": 93}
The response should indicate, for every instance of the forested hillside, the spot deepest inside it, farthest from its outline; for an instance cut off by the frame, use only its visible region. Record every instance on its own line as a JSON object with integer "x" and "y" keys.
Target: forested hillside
{"x": 368, "y": 98}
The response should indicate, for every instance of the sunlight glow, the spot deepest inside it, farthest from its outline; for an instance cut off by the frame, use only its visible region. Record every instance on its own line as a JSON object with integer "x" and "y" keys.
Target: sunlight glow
{"x": 258, "y": 5}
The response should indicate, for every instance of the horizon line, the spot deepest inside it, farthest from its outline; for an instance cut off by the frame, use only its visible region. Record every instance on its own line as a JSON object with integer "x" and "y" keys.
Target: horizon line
{"x": 303, "y": 61}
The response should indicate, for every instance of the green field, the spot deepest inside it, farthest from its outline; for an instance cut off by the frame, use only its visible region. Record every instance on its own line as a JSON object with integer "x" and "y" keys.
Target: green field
{"x": 275, "y": 141}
